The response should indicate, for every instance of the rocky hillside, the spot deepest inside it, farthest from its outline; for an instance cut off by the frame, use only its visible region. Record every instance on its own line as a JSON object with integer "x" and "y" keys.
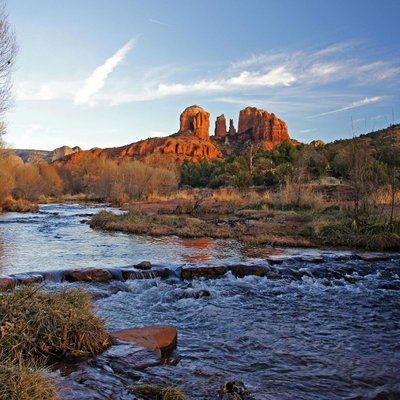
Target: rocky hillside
{"x": 34, "y": 156}
{"x": 193, "y": 140}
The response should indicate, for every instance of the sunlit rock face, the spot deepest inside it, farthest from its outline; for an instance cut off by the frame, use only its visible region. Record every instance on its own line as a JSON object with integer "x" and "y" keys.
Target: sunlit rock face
{"x": 220, "y": 126}
{"x": 193, "y": 143}
{"x": 197, "y": 120}
{"x": 265, "y": 127}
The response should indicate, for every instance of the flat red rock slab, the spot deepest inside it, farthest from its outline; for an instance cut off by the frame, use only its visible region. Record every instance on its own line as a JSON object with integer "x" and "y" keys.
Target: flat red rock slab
{"x": 156, "y": 337}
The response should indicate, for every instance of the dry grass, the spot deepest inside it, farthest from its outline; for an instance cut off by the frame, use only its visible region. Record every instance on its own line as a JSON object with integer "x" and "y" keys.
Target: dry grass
{"x": 34, "y": 322}
{"x": 19, "y": 205}
{"x": 25, "y": 381}
{"x": 297, "y": 197}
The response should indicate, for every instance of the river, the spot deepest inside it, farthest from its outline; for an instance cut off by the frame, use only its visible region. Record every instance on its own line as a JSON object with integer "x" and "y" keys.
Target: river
{"x": 323, "y": 331}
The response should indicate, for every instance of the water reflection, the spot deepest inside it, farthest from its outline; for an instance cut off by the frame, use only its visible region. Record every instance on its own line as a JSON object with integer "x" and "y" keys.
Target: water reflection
{"x": 56, "y": 238}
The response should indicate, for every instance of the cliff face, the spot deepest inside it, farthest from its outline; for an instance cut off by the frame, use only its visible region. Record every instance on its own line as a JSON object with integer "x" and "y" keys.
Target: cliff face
{"x": 192, "y": 141}
{"x": 265, "y": 128}
{"x": 196, "y": 120}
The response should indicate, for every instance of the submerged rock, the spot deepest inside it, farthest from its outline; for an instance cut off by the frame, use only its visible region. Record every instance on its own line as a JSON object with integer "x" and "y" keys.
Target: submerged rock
{"x": 194, "y": 294}
{"x": 234, "y": 390}
{"x": 89, "y": 275}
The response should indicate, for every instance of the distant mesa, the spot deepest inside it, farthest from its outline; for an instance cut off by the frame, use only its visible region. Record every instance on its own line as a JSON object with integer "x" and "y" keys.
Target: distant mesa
{"x": 63, "y": 151}
{"x": 193, "y": 141}
{"x": 35, "y": 156}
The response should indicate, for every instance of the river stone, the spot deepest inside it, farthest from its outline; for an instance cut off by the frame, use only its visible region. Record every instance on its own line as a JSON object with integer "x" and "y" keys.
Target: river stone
{"x": 203, "y": 272}
{"x": 89, "y": 275}
{"x": 373, "y": 257}
{"x": 7, "y": 283}
{"x": 244, "y": 270}
{"x": 143, "y": 265}
{"x": 156, "y": 337}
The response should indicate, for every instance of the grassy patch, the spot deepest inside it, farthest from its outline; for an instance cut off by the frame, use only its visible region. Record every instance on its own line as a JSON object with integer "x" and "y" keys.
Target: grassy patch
{"x": 25, "y": 381}
{"x": 34, "y": 322}
{"x": 36, "y": 326}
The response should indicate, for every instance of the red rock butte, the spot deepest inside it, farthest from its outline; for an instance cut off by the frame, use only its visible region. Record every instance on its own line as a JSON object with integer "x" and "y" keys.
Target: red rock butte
{"x": 265, "y": 127}
{"x": 197, "y": 120}
{"x": 193, "y": 142}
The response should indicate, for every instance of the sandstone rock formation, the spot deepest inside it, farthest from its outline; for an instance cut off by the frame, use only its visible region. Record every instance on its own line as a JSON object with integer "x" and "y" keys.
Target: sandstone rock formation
{"x": 195, "y": 119}
{"x": 63, "y": 151}
{"x": 220, "y": 126}
{"x": 265, "y": 128}
{"x": 232, "y": 130}
{"x": 193, "y": 143}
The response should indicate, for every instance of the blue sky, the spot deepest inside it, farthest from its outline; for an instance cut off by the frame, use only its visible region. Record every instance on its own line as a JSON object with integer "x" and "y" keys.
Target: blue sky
{"x": 99, "y": 73}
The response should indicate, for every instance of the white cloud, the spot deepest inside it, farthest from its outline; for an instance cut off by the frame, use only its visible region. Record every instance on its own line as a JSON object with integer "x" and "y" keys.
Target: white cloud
{"x": 355, "y": 104}
{"x": 98, "y": 77}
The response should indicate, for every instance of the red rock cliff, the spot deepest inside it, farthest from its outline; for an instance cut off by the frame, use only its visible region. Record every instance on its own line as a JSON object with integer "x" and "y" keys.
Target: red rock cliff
{"x": 197, "y": 120}
{"x": 264, "y": 127}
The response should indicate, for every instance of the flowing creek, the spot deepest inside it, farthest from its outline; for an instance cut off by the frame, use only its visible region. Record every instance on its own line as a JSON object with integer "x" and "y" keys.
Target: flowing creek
{"x": 326, "y": 330}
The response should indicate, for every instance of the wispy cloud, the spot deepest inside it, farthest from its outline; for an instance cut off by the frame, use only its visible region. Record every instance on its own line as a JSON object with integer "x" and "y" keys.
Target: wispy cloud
{"x": 98, "y": 77}
{"x": 158, "y": 22}
{"x": 355, "y": 104}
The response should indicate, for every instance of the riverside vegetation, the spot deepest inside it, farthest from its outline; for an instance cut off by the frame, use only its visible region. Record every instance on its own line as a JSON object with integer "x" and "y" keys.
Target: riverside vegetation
{"x": 36, "y": 327}
{"x": 343, "y": 194}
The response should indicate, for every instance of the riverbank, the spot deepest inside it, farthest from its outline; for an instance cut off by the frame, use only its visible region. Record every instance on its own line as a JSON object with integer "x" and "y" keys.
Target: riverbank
{"x": 260, "y": 223}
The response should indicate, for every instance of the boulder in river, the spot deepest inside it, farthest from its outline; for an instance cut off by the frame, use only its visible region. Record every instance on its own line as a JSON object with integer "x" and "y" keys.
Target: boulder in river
{"x": 241, "y": 270}
{"x": 143, "y": 265}
{"x": 203, "y": 272}
{"x": 153, "y": 338}
{"x": 89, "y": 275}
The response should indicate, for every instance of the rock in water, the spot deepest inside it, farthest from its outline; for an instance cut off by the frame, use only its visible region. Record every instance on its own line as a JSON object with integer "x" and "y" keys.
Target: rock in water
{"x": 89, "y": 275}
{"x": 143, "y": 265}
{"x": 156, "y": 337}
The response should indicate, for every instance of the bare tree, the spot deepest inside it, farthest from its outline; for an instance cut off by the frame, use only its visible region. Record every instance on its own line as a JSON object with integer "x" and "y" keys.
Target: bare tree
{"x": 8, "y": 52}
